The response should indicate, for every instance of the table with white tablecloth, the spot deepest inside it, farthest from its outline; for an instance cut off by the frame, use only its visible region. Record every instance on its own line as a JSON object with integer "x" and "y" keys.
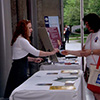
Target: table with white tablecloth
{"x": 33, "y": 88}
{"x": 72, "y": 63}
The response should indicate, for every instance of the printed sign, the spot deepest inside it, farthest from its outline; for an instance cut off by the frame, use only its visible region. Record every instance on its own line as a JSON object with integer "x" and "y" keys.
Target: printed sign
{"x": 52, "y": 21}
{"x": 54, "y": 36}
{"x": 98, "y": 79}
{"x": 46, "y": 19}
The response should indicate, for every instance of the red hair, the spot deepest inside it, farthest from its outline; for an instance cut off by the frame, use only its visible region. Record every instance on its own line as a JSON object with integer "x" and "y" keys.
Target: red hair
{"x": 21, "y": 29}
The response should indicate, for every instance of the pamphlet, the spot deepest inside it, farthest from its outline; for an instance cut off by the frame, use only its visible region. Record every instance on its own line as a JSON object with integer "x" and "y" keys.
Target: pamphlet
{"x": 62, "y": 87}
{"x": 64, "y": 79}
{"x": 70, "y": 71}
{"x": 44, "y": 84}
{"x": 52, "y": 73}
{"x": 69, "y": 83}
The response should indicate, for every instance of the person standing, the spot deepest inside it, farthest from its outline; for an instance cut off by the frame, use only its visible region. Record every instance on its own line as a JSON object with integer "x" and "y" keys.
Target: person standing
{"x": 21, "y": 47}
{"x": 91, "y": 49}
{"x": 66, "y": 33}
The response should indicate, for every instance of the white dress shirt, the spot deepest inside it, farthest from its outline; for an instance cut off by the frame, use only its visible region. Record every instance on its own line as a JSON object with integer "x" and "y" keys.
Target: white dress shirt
{"x": 93, "y": 42}
{"x": 22, "y": 47}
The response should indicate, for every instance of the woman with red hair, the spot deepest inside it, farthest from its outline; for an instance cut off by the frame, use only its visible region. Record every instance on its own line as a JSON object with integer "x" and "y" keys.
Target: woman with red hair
{"x": 21, "y": 47}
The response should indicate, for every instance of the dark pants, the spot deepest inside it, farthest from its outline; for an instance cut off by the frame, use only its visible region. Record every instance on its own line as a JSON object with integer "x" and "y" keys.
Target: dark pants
{"x": 18, "y": 74}
{"x": 67, "y": 36}
{"x": 67, "y": 39}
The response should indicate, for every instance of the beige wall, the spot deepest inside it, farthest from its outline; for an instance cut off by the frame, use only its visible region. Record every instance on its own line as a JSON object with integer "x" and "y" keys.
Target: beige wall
{"x": 18, "y": 11}
{"x": 49, "y": 8}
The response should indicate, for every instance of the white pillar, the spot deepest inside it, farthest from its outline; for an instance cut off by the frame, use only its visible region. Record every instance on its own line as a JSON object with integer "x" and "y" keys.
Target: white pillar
{"x": 62, "y": 19}
{"x": 5, "y": 39}
{"x": 82, "y": 28}
{"x": 81, "y": 22}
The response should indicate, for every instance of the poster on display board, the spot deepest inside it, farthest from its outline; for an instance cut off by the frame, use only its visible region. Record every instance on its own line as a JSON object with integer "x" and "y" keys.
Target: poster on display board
{"x": 54, "y": 36}
{"x": 52, "y": 21}
{"x": 45, "y": 38}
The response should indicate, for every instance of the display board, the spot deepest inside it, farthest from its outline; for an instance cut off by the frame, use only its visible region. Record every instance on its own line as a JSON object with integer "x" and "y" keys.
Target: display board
{"x": 52, "y": 21}
{"x": 47, "y": 42}
{"x": 54, "y": 36}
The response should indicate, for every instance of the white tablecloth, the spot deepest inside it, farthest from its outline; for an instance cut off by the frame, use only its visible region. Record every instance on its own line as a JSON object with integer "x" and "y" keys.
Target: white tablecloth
{"x": 61, "y": 65}
{"x": 29, "y": 90}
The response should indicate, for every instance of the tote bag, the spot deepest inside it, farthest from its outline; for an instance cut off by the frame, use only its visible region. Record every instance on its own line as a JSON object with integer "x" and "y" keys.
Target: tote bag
{"x": 94, "y": 78}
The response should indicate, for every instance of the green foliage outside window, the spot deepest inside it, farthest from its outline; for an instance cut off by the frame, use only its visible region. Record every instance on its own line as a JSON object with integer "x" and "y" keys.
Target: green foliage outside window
{"x": 85, "y": 31}
{"x": 72, "y": 10}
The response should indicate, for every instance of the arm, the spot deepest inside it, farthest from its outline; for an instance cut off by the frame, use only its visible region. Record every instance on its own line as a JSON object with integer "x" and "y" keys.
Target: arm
{"x": 36, "y": 60}
{"x": 79, "y": 53}
{"x": 90, "y": 52}
{"x": 27, "y": 47}
{"x": 72, "y": 52}
{"x": 96, "y": 52}
{"x": 31, "y": 59}
{"x": 82, "y": 53}
{"x": 30, "y": 49}
{"x": 43, "y": 53}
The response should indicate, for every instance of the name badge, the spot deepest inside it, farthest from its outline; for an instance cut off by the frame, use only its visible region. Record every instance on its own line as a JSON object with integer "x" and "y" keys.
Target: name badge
{"x": 96, "y": 39}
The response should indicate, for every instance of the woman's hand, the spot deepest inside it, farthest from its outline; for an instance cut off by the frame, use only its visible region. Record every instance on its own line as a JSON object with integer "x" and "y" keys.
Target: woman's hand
{"x": 55, "y": 51}
{"x": 64, "y": 52}
{"x": 38, "y": 60}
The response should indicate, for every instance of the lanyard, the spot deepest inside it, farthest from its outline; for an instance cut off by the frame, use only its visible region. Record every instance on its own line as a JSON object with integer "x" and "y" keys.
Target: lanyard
{"x": 91, "y": 48}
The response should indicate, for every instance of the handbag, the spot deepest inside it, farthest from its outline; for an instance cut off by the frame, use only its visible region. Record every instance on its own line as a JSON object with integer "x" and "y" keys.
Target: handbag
{"x": 94, "y": 78}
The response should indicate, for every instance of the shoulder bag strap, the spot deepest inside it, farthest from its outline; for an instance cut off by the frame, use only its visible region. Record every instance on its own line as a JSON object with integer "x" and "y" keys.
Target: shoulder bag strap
{"x": 98, "y": 64}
